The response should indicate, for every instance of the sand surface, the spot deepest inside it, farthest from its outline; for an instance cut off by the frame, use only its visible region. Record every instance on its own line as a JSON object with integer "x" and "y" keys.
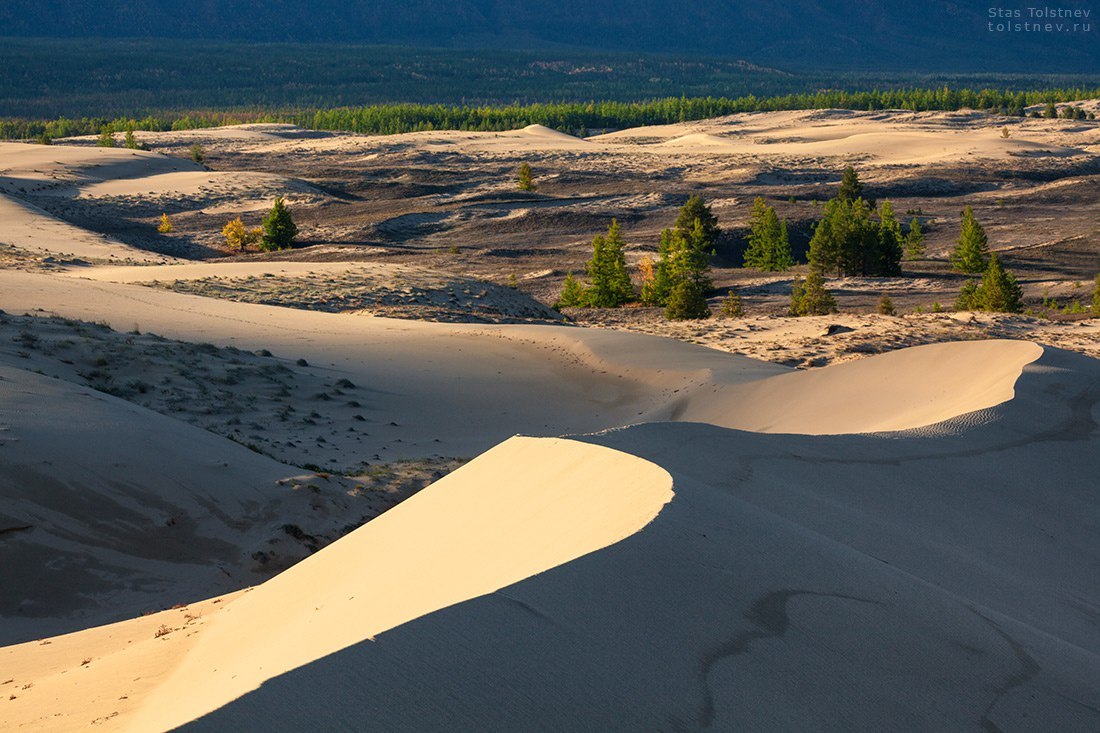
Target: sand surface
{"x": 639, "y": 533}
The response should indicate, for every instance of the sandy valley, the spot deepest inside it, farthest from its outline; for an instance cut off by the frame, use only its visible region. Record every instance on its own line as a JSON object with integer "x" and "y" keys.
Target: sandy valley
{"x": 376, "y": 482}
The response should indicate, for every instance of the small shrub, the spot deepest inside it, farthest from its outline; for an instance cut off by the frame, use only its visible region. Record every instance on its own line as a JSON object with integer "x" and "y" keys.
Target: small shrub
{"x": 196, "y": 153}
{"x": 165, "y": 226}
{"x": 526, "y": 178}
{"x": 886, "y": 306}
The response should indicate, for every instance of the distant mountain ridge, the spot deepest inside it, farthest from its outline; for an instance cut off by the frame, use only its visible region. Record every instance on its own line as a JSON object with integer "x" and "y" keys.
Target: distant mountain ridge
{"x": 911, "y": 35}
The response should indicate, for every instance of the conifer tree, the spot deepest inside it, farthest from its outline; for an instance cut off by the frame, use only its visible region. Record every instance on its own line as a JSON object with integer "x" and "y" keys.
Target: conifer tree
{"x": 889, "y": 241}
{"x": 809, "y": 297}
{"x": 1096, "y": 298}
{"x": 526, "y": 178}
{"x": 686, "y": 301}
{"x": 130, "y": 141}
{"x": 769, "y": 247}
{"x": 573, "y": 294}
{"x": 914, "y": 241}
{"x": 610, "y": 282}
{"x": 106, "y": 138}
{"x": 850, "y": 187}
{"x": 279, "y": 228}
{"x": 732, "y": 307}
{"x": 998, "y": 291}
{"x": 697, "y": 209}
{"x": 196, "y": 153}
{"x": 165, "y": 226}
{"x": 971, "y": 253}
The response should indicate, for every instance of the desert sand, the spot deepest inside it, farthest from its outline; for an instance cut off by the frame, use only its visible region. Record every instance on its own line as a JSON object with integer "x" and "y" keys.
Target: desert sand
{"x": 201, "y": 528}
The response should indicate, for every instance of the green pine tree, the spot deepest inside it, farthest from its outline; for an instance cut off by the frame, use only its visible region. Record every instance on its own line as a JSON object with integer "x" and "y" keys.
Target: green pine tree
{"x": 888, "y": 260}
{"x": 106, "y": 138}
{"x": 914, "y": 241}
{"x": 997, "y": 291}
{"x": 732, "y": 307}
{"x": 1096, "y": 298}
{"x": 526, "y": 178}
{"x": 769, "y": 247}
{"x": 696, "y": 209}
{"x": 573, "y": 294}
{"x": 686, "y": 301}
{"x": 611, "y": 286}
{"x": 279, "y": 227}
{"x": 809, "y": 297}
{"x": 971, "y": 253}
{"x": 850, "y": 187}
{"x": 130, "y": 141}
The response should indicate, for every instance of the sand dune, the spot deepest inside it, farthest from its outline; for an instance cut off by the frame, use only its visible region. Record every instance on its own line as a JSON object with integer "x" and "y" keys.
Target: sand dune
{"x": 786, "y": 584}
{"x": 29, "y": 228}
{"x": 899, "y": 390}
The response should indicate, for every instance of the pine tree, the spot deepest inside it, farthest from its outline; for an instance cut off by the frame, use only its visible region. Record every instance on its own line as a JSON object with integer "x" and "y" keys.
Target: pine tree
{"x": 889, "y": 242}
{"x": 279, "y": 228}
{"x": 809, "y": 297}
{"x": 914, "y": 241}
{"x": 165, "y": 225}
{"x": 526, "y": 178}
{"x": 697, "y": 209}
{"x": 769, "y": 247}
{"x": 686, "y": 301}
{"x": 1050, "y": 111}
{"x": 850, "y": 187}
{"x": 611, "y": 286}
{"x": 573, "y": 294}
{"x": 971, "y": 253}
{"x": 997, "y": 292}
{"x": 196, "y": 153}
{"x": 106, "y": 138}
{"x": 130, "y": 141}
{"x": 1096, "y": 298}
{"x": 732, "y": 307}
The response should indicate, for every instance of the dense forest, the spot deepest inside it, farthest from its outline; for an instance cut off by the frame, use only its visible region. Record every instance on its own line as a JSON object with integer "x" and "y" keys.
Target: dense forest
{"x": 46, "y": 79}
{"x": 572, "y": 117}
{"x": 838, "y": 35}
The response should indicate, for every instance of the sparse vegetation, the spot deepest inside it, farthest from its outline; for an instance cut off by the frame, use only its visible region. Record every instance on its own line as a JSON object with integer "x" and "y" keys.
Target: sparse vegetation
{"x": 106, "y": 138}
{"x": 165, "y": 226}
{"x": 196, "y": 153}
